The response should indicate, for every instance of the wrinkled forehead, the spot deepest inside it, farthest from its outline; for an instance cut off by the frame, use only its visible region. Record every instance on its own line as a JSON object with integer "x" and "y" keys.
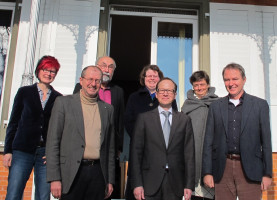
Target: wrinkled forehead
{"x": 106, "y": 60}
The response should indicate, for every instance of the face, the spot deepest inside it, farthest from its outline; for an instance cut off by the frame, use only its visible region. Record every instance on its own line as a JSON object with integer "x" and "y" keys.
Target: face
{"x": 151, "y": 79}
{"x": 166, "y": 93}
{"x": 200, "y": 88}
{"x": 47, "y": 76}
{"x": 107, "y": 66}
{"x": 234, "y": 83}
{"x": 91, "y": 82}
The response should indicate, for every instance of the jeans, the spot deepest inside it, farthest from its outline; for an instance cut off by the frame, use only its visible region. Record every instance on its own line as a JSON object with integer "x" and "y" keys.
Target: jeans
{"x": 19, "y": 173}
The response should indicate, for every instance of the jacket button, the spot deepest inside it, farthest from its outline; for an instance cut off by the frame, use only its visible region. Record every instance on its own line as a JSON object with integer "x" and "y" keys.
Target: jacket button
{"x": 83, "y": 146}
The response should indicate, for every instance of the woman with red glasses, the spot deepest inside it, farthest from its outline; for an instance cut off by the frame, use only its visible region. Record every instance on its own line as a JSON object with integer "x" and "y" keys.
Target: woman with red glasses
{"x": 27, "y": 130}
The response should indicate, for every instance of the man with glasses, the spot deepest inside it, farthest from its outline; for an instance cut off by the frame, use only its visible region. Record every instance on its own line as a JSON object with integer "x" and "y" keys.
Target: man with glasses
{"x": 80, "y": 144}
{"x": 114, "y": 95}
{"x": 111, "y": 94}
{"x": 162, "y": 163}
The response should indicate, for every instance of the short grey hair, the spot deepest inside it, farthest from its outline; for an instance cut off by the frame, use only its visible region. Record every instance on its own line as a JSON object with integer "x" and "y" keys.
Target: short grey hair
{"x": 97, "y": 60}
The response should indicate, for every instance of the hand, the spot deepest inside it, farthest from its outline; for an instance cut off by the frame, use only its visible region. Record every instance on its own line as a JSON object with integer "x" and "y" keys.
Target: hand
{"x": 56, "y": 189}
{"x": 187, "y": 194}
{"x": 7, "y": 160}
{"x": 109, "y": 190}
{"x": 139, "y": 193}
{"x": 266, "y": 182}
{"x": 44, "y": 158}
{"x": 209, "y": 181}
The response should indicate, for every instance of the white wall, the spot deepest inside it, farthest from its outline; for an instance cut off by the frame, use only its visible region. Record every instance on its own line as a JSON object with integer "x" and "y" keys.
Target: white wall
{"x": 68, "y": 30}
{"x": 247, "y": 35}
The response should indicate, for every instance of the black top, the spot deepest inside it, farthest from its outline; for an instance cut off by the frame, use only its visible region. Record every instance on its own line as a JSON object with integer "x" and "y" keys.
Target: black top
{"x": 234, "y": 126}
{"x": 28, "y": 121}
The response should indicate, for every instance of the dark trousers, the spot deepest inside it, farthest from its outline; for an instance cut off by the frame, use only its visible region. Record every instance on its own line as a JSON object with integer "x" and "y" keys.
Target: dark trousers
{"x": 199, "y": 198}
{"x": 165, "y": 192}
{"x": 234, "y": 183}
{"x": 89, "y": 184}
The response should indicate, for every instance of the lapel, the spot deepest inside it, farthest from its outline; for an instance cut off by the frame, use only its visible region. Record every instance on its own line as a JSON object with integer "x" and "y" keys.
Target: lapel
{"x": 113, "y": 93}
{"x": 223, "y": 104}
{"x": 103, "y": 116}
{"x": 157, "y": 127}
{"x": 173, "y": 125}
{"x": 246, "y": 108}
{"x": 78, "y": 114}
{"x": 36, "y": 98}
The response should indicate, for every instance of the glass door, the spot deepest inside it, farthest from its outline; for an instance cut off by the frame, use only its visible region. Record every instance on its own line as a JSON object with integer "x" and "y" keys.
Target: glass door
{"x": 174, "y": 49}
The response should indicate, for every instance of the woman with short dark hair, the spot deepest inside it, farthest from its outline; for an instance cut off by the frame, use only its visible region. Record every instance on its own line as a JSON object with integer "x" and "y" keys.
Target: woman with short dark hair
{"x": 196, "y": 106}
{"x": 26, "y": 132}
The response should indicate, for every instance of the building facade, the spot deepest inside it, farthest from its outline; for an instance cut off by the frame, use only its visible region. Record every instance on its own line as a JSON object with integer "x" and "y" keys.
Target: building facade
{"x": 180, "y": 36}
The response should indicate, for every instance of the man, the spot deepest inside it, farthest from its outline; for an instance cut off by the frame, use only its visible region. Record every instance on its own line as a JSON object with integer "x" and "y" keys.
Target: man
{"x": 237, "y": 155}
{"x": 162, "y": 163}
{"x": 111, "y": 94}
{"x": 80, "y": 144}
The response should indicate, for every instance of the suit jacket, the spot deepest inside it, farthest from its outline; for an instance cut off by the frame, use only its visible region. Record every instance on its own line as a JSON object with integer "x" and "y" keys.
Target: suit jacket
{"x": 66, "y": 141}
{"x": 255, "y": 139}
{"x": 117, "y": 96}
{"x": 149, "y": 153}
{"x": 28, "y": 121}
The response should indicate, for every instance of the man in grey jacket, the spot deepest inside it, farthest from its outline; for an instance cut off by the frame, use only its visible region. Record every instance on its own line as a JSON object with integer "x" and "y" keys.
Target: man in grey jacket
{"x": 80, "y": 144}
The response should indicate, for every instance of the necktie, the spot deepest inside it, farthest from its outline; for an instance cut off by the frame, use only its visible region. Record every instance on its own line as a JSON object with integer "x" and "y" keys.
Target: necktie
{"x": 166, "y": 127}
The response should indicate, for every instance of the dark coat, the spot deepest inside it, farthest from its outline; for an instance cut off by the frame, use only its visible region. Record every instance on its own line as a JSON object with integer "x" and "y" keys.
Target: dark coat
{"x": 139, "y": 102}
{"x": 117, "y": 96}
{"x": 28, "y": 121}
{"x": 150, "y": 155}
{"x": 255, "y": 139}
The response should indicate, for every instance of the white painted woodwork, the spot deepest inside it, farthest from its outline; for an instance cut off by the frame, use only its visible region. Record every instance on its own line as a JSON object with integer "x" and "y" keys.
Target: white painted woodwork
{"x": 247, "y": 35}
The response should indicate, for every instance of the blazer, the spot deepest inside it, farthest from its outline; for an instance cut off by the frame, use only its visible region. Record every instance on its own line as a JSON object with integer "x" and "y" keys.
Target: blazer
{"x": 66, "y": 141}
{"x": 117, "y": 96}
{"x": 149, "y": 153}
{"x": 255, "y": 139}
{"x": 28, "y": 121}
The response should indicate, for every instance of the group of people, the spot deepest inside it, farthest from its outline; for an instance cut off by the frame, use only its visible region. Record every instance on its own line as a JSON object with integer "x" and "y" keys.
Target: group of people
{"x": 214, "y": 148}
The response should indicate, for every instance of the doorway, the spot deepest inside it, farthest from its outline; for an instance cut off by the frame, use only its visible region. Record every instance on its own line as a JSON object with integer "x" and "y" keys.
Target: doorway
{"x": 130, "y": 46}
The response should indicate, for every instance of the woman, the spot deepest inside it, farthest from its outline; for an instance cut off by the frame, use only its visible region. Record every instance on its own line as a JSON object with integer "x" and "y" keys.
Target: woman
{"x": 141, "y": 101}
{"x": 197, "y": 106}
{"x": 27, "y": 130}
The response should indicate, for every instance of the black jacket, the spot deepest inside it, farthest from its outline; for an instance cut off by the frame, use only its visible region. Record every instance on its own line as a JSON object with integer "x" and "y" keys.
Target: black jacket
{"x": 139, "y": 102}
{"x": 28, "y": 121}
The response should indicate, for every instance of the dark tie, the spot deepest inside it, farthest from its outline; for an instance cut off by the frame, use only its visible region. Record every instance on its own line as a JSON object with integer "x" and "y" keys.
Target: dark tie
{"x": 166, "y": 127}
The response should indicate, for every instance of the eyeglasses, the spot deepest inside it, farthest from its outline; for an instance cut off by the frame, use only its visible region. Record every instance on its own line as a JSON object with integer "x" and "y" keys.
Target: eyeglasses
{"x": 199, "y": 85}
{"x": 49, "y": 71}
{"x": 162, "y": 91}
{"x": 90, "y": 80}
{"x": 105, "y": 66}
{"x": 151, "y": 76}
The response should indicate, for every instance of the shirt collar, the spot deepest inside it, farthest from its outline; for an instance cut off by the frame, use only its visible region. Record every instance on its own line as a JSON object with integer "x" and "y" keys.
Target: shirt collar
{"x": 161, "y": 109}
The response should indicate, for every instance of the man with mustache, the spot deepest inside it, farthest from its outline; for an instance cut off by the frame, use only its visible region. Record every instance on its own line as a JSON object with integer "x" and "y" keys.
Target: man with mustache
{"x": 114, "y": 95}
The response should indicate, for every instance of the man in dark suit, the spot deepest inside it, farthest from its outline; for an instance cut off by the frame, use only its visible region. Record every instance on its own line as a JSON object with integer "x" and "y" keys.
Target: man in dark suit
{"x": 237, "y": 154}
{"x": 162, "y": 150}
{"x": 80, "y": 145}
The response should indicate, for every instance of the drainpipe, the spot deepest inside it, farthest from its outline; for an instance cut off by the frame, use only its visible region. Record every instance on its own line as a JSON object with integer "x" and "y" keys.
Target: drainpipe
{"x": 27, "y": 77}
